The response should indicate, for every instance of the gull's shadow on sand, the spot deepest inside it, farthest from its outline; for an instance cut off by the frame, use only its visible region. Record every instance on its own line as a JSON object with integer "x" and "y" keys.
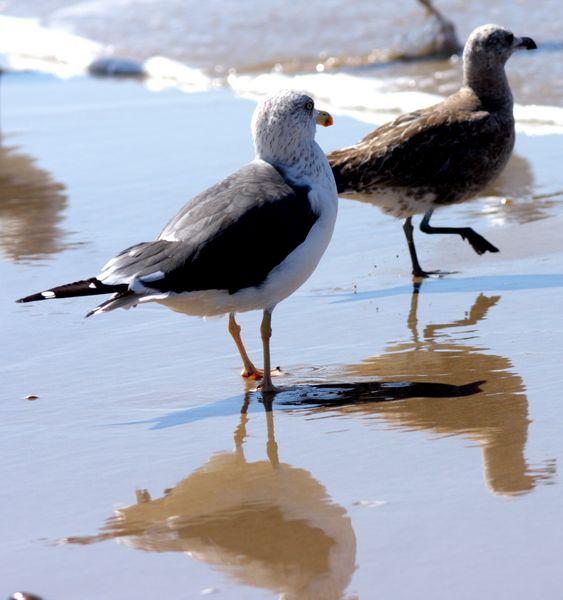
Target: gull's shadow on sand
{"x": 490, "y": 283}
{"x": 334, "y": 395}
{"x": 315, "y": 396}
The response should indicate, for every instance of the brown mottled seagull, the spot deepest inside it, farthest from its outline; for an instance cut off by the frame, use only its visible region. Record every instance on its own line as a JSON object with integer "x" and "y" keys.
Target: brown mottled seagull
{"x": 246, "y": 243}
{"x": 444, "y": 154}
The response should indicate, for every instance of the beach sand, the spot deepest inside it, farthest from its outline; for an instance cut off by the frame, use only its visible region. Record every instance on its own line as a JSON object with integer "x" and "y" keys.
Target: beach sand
{"x": 430, "y": 471}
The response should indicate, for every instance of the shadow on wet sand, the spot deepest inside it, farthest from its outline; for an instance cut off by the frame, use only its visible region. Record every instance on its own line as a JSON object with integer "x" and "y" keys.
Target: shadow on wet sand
{"x": 488, "y": 283}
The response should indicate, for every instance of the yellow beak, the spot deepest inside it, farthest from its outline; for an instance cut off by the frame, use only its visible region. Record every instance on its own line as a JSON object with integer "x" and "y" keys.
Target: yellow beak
{"x": 324, "y": 119}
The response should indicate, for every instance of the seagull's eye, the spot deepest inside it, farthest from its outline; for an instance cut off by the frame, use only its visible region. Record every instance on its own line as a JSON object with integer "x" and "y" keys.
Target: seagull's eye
{"x": 309, "y": 106}
{"x": 510, "y": 38}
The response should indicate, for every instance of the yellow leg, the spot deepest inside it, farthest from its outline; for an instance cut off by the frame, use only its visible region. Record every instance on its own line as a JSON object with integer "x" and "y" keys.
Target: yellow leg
{"x": 266, "y": 333}
{"x": 249, "y": 370}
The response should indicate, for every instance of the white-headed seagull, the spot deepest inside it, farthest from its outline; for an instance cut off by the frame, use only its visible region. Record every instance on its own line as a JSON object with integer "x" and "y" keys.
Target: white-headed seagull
{"x": 244, "y": 244}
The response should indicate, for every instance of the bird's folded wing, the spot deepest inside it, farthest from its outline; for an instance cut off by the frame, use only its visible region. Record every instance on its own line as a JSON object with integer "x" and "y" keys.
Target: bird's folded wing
{"x": 229, "y": 237}
{"x": 427, "y": 146}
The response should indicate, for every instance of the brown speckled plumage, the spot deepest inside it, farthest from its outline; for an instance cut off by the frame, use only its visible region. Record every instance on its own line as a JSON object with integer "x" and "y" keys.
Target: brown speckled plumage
{"x": 438, "y": 155}
{"x": 444, "y": 154}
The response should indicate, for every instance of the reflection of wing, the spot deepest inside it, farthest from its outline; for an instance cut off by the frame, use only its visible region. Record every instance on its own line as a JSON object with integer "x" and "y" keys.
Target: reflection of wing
{"x": 497, "y": 417}
{"x": 31, "y": 204}
{"x": 266, "y": 524}
{"x": 515, "y": 182}
{"x": 513, "y": 195}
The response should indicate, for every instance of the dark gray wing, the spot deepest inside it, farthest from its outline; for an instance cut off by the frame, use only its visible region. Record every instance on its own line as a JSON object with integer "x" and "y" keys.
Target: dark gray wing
{"x": 229, "y": 237}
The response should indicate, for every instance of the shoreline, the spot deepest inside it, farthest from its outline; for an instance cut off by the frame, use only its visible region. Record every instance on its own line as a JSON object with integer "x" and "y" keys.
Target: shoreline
{"x": 369, "y": 97}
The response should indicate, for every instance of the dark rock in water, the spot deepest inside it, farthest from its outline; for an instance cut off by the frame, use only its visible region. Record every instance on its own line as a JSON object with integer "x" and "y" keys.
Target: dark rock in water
{"x": 117, "y": 67}
{"x": 443, "y": 36}
{"x": 24, "y": 596}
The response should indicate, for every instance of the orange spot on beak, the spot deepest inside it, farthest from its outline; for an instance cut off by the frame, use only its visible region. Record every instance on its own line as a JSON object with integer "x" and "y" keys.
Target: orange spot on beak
{"x": 324, "y": 119}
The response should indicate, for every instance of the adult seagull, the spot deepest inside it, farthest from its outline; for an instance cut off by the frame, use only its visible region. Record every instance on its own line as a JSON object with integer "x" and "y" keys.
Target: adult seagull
{"x": 443, "y": 154}
{"x": 244, "y": 244}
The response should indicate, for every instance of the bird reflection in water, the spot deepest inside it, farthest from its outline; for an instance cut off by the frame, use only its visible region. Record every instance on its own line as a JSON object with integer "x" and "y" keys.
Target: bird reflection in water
{"x": 266, "y": 523}
{"x": 512, "y": 197}
{"x": 31, "y": 207}
{"x": 494, "y": 411}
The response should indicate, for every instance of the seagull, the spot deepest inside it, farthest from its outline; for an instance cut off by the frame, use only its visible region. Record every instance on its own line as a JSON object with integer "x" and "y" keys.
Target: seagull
{"x": 246, "y": 243}
{"x": 444, "y": 154}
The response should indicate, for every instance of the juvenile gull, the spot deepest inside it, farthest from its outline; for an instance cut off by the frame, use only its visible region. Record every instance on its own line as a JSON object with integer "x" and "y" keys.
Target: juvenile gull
{"x": 244, "y": 244}
{"x": 443, "y": 154}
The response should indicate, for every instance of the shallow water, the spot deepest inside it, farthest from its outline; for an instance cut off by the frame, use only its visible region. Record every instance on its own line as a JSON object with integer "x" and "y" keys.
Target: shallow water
{"x": 415, "y": 451}
{"x": 361, "y": 36}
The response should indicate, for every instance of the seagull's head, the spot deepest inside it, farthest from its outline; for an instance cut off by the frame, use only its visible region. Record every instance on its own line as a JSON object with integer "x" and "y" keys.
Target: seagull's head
{"x": 283, "y": 122}
{"x": 490, "y": 46}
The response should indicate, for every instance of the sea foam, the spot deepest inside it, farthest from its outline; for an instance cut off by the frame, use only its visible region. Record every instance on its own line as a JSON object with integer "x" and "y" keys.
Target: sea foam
{"x": 377, "y": 100}
{"x": 26, "y": 45}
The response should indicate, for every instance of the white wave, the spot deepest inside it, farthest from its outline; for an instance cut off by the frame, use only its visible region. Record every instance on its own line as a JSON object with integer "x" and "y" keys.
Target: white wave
{"x": 377, "y": 100}
{"x": 537, "y": 119}
{"x": 163, "y": 73}
{"x": 365, "y": 99}
{"x": 26, "y": 45}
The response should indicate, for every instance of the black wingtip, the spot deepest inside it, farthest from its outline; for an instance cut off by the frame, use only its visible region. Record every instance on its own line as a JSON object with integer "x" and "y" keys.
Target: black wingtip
{"x": 84, "y": 287}
{"x": 32, "y": 298}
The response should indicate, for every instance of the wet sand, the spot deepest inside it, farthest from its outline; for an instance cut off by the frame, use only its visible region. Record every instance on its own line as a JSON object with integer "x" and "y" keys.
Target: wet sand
{"x": 414, "y": 452}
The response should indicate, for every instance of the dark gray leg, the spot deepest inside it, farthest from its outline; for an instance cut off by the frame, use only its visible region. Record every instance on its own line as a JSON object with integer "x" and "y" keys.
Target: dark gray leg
{"x": 417, "y": 270}
{"x": 478, "y": 242}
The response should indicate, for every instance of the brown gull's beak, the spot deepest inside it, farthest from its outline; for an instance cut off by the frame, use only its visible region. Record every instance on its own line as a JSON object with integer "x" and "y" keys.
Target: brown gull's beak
{"x": 524, "y": 43}
{"x": 323, "y": 118}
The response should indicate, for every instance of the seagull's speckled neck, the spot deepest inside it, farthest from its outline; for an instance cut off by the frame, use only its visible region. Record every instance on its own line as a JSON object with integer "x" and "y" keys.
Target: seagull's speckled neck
{"x": 284, "y": 136}
{"x": 483, "y": 67}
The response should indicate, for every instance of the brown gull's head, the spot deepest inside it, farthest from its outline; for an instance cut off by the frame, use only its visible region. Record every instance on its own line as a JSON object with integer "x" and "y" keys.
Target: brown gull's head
{"x": 491, "y": 46}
